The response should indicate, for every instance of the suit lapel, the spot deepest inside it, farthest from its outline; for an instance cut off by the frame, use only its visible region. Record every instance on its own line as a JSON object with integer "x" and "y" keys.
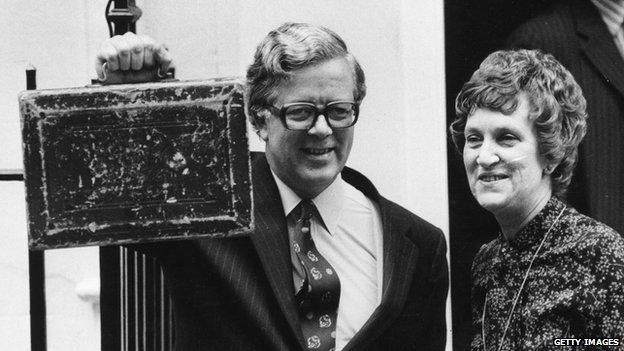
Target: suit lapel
{"x": 597, "y": 43}
{"x": 400, "y": 257}
{"x": 270, "y": 239}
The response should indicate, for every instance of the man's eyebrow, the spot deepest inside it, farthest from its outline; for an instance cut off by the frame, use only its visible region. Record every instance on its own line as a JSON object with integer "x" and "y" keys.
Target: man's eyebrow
{"x": 470, "y": 129}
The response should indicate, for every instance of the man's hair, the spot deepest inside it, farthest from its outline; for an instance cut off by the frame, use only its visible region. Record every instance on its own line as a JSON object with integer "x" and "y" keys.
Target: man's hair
{"x": 556, "y": 105}
{"x": 285, "y": 50}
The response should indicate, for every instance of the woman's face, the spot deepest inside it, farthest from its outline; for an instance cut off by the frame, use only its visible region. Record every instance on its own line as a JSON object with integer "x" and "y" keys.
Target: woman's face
{"x": 505, "y": 171}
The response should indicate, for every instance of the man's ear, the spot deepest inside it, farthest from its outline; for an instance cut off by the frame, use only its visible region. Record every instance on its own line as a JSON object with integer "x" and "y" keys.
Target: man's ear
{"x": 260, "y": 116}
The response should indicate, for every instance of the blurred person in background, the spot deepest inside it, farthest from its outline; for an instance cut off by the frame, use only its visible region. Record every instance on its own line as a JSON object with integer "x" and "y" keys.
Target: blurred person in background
{"x": 587, "y": 37}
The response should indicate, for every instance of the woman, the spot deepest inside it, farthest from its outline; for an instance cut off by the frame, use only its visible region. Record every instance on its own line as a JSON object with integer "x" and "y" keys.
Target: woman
{"x": 552, "y": 272}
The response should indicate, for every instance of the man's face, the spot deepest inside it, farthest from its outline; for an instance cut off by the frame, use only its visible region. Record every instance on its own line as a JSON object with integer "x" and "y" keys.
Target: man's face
{"x": 308, "y": 161}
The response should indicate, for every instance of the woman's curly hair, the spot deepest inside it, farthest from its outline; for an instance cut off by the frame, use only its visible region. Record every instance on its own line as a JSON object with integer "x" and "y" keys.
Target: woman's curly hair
{"x": 556, "y": 105}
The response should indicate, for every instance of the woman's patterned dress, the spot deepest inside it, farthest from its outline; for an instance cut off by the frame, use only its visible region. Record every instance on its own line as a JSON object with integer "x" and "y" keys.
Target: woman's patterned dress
{"x": 575, "y": 288}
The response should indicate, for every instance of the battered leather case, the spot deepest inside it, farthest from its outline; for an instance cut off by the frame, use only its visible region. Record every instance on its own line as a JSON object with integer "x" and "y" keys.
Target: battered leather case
{"x": 122, "y": 164}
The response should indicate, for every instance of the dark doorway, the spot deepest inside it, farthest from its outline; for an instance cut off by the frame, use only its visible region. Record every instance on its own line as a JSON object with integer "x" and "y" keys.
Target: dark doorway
{"x": 473, "y": 29}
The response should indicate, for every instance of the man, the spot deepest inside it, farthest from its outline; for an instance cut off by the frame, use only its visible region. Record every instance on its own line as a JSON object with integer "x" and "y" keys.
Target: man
{"x": 332, "y": 265}
{"x": 587, "y": 37}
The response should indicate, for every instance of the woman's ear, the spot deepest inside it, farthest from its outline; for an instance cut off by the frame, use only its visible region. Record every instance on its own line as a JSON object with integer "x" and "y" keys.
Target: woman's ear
{"x": 549, "y": 169}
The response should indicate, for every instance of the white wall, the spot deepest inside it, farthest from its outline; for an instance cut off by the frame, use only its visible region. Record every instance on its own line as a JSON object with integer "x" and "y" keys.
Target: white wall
{"x": 14, "y": 317}
{"x": 60, "y": 41}
{"x": 400, "y": 138}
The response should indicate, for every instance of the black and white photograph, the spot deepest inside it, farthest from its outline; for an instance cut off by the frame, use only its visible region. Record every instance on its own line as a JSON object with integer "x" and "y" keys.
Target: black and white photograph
{"x": 312, "y": 175}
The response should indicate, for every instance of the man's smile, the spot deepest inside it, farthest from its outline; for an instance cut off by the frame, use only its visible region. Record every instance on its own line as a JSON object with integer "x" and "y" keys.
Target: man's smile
{"x": 317, "y": 151}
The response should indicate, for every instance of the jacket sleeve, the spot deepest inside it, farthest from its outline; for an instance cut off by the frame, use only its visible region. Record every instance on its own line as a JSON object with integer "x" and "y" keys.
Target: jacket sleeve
{"x": 439, "y": 292}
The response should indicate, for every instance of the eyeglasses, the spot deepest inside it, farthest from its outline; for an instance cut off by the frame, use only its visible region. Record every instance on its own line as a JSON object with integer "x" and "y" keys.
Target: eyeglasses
{"x": 303, "y": 115}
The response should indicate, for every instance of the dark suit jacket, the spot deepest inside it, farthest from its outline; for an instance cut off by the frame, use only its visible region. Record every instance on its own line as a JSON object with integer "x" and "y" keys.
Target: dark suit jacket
{"x": 238, "y": 294}
{"x": 575, "y": 34}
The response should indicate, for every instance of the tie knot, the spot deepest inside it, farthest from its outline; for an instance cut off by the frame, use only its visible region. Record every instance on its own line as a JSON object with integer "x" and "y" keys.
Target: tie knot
{"x": 307, "y": 209}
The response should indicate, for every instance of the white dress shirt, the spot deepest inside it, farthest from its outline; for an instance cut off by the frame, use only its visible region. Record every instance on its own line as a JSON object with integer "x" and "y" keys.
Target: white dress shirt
{"x": 349, "y": 235}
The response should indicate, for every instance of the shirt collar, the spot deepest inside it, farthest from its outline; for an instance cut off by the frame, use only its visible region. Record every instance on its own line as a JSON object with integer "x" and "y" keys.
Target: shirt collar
{"x": 329, "y": 202}
{"x": 612, "y": 13}
{"x": 290, "y": 200}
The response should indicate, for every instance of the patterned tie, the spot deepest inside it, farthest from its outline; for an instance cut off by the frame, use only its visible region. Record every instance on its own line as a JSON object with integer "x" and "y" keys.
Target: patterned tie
{"x": 319, "y": 297}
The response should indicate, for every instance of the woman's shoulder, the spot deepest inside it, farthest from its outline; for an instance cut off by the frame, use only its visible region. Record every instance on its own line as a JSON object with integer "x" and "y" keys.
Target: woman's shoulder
{"x": 584, "y": 233}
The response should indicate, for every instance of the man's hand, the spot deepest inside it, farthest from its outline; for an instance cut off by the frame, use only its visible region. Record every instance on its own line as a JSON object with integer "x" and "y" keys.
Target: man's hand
{"x": 131, "y": 58}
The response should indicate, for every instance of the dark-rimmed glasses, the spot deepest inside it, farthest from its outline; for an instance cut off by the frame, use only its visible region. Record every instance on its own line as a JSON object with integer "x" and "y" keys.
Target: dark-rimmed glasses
{"x": 303, "y": 115}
